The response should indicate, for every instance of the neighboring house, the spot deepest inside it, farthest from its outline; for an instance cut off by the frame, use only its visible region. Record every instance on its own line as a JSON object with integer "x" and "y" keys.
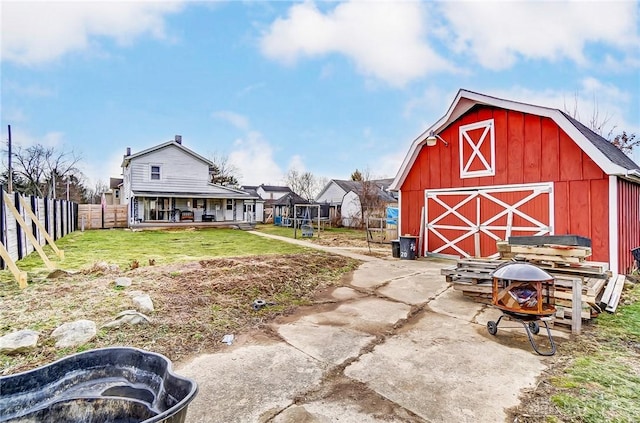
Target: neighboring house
{"x": 115, "y": 188}
{"x": 508, "y": 168}
{"x": 270, "y": 194}
{"x": 283, "y": 207}
{"x": 259, "y": 206}
{"x": 345, "y": 199}
{"x": 170, "y": 182}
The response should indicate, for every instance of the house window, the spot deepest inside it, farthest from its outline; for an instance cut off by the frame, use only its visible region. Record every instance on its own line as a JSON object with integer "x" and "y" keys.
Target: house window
{"x": 155, "y": 172}
{"x": 229, "y": 204}
{"x": 477, "y": 149}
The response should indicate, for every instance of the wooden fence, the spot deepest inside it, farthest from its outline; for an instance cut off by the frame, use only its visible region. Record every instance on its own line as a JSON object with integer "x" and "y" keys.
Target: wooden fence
{"x": 91, "y": 216}
{"x": 19, "y": 231}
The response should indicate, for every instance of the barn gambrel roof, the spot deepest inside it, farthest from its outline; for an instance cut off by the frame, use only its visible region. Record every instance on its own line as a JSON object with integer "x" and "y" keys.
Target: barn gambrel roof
{"x": 607, "y": 156}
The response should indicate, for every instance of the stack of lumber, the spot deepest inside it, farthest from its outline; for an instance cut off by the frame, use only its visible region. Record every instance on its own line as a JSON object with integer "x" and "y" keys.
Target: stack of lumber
{"x": 567, "y": 264}
{"x": 473, "y": 277}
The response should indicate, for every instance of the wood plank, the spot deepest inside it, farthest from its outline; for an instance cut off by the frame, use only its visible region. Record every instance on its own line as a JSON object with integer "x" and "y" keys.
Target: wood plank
{"x": 552, "y": 251}
{"x": 606, "y": 296}
{"x": 555, "y": 259}
{"x": 20, "y": 276}
{"x": 27, "y": 230}
{"x": 27, "y": 207}
{"x": 612, "y": 305}
{"x": 483, "y": 289}
{"x": 576, "y": 319}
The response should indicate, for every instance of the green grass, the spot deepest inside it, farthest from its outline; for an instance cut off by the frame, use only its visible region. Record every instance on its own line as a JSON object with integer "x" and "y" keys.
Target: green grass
{"x": 327, "y": 232}
{"x": 122, "y": 247}
{"x": 603, "y": 384}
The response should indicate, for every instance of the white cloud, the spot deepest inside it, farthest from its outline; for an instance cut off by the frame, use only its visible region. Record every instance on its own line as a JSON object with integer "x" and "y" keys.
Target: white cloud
{"x": 29, "y": 90}
{"x": 237, "y": 120}
{"x": 386, "y": 40}
{"x": 253, "y": 156}
{"x": 39, "y": 32}
{"x": 297, "y": 163}
{"x": 102, "y": 170}
{"x": 592, "y": 100}
{"x": 497, "y": 34}
{"x": 24, "y": 139}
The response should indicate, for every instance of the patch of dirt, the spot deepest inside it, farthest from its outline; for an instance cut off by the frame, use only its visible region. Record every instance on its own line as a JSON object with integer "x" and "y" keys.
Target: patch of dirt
{"x": 196, "y": 303}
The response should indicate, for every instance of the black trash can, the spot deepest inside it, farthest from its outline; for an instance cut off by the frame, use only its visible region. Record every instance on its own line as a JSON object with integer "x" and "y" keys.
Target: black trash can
{"x": 636, "y": 255}
{"x": 395, "y": 248}
{"x": 118, "y": 384}
{"x": 408, "y": 247}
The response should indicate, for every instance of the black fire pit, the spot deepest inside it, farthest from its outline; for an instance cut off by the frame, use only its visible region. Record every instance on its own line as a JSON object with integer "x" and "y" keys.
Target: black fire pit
{"x": 119, "y": 385}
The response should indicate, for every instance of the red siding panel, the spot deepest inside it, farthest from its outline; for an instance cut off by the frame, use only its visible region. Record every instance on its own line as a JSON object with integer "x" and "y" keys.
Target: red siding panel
{"x": 532, "y": 148}
{"x": 579, "y": 215}
{"x": 549, "y": 167}
{"x": 628, "y": 223}
{"x": 590, "y": 169}
{"x": 599, "y": 233}
{"x": 501, "y": 135}
{"x": 570, "y": 159}
{"x": 515, "y": 147}
{"x": 561, "y": 206}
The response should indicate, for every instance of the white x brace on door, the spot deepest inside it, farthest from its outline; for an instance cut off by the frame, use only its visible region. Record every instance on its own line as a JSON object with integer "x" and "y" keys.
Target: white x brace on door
{"x": 457, "y": 220}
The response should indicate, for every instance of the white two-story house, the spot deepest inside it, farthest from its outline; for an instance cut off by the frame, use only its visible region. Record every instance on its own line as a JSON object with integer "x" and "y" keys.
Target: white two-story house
{"x": 171, "y": 183}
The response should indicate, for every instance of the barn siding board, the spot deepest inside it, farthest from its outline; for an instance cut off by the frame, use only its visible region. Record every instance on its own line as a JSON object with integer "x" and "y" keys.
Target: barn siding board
{"x": 599, "y": 189}
{"x": 532, "y": 148}
{"x": 590, "y": 169}
{"x": 579, "y": 217}
{"x": 550, "y": 166}
{"x": 446, "y": 162}
{"x": 502, "y": 153}
{"x": 629, "y": 222}
{"x": 434, "y": 165}
{"x": 515, "y": 147}
{"x": 570, "y": 159}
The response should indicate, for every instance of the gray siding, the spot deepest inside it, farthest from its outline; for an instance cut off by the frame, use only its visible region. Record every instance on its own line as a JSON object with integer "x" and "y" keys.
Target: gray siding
{"x": 180, "y": 172}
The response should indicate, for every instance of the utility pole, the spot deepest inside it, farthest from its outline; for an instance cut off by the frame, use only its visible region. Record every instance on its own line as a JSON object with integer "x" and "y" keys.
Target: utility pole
{"x": 10, "y": 176}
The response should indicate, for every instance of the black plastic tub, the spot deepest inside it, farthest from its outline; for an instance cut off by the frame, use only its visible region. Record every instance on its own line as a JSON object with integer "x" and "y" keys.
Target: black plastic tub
{"x": 119, "y": 385}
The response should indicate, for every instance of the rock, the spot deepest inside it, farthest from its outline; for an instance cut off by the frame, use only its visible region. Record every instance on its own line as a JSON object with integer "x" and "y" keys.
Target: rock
{"x": 128, "y": 317}
{"x": 103, "y": 267}
{"x": 19, "y": 341}
{"x": 59, "y": 273}
{"x": 123, "y": 281}
{"x": 143, "y": 302}
{"x": 74, "y": 333}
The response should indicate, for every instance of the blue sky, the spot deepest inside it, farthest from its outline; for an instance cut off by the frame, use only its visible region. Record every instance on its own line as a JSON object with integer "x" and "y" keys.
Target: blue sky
{"x": 325, "y": 87}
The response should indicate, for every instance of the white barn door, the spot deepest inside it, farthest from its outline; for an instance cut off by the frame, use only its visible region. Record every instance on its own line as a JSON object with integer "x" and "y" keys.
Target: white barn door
{"x": 467, "y": 222}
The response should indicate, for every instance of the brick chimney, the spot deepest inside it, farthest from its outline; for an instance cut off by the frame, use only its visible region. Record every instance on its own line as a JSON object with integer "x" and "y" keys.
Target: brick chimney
{"x": 128, "y": 151}
{"x": 178, "y": 139}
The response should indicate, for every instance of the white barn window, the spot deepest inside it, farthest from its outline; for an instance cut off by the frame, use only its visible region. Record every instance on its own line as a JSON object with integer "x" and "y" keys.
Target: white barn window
{"x": 477, "y": 149}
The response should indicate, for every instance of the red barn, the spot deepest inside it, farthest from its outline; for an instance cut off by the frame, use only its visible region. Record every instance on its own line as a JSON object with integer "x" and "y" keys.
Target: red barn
{"x": 493, "y": 168}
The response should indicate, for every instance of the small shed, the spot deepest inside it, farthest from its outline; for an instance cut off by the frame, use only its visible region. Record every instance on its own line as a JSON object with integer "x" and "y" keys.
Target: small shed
{"x": 491, "y": 168}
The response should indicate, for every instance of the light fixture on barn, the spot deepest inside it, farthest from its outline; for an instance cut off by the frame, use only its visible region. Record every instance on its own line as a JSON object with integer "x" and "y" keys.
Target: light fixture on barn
{"x": 433, "y": 138}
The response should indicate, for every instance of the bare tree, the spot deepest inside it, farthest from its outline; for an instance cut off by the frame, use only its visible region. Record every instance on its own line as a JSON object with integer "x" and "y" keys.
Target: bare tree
{"x": 222, "y": 172}
{"x": 42, "y": 168}
{"x": 305, "y": 184}
{"x": 93, "y": 195}
{"x": 370, "y": 201}
{"x": 597, "y": 123}
{"x": 625, "y": 142}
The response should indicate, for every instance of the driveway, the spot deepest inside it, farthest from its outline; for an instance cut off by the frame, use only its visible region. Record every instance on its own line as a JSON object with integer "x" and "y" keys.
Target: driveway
{"x": 396, "y": 345}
